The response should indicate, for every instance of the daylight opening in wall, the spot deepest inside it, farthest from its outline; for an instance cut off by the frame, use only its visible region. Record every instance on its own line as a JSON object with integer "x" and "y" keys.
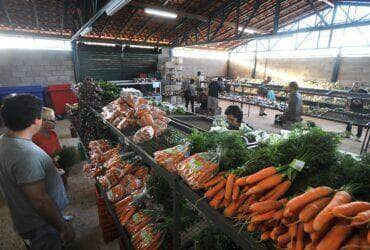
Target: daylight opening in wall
{"x": 200, "y": 53}
{"x": 21, "y": 42}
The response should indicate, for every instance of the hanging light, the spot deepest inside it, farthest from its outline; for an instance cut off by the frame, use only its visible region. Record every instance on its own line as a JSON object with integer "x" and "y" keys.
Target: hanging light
{"x": 160, "y": 13}
{"x": 248, "y": 30}
{"x": 114, "y": 6}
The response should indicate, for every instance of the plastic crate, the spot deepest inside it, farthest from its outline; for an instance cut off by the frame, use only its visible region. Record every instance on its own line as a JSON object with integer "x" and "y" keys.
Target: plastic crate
{"x": 60, "y": 95}
{"x": 36, "y": 90}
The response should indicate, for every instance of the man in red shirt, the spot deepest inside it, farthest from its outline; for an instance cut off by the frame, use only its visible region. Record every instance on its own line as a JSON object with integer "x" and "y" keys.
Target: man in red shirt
{"x": 46, "y": 138}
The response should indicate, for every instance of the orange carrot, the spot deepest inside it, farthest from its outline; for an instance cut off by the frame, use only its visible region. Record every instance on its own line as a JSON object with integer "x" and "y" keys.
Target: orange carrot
{"x": 299, "y": 202}
{"x": 265, "y": 235}
{"x": 213, "y": 181}
{"x": 235, "y": 195}
{"x": 363, "y": 242}
{"x": 266, "y": 184}
{"x": 241, "y": 181}
{"x": 283, "y": 239}
{"x": 280, "y": 190}
{"x": 265, "y": 206}
{"x": 234, "y": 205}
{"x": 245, "y": 189}
{"x": 300, "y": 234}
{"x": 361, "y": 218}
{"x": 215, "y": 203}
{"x": 353, "y": 243}
{"x": 368, "y": 236}
{"x": 293, "y": 230}
{"x": 263, "y": 217}
{"x": 220, "y": 195}
{"x": 322, "y": 220}
{"x": 276, "y": 231}
{"x": 213, "y": 191}
{"x": 128, "y": 216}
{"x": 291, "y": 245}
{"x": 351, "y": 209}
{"x": 308, "y": 226}
{"x": 252, "y": 227}
{"x": 260, "y": 175}
{"x": 278, "y": 215}
{"x": 336, "y": 236}
{"x": 311, "y": 246}
{"x": 229, "y": 186}
{"x": 226, "y": 203}
{"x": 311, "y": 210}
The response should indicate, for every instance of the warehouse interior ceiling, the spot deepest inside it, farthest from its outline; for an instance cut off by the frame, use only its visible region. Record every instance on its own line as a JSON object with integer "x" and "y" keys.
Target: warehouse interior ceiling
{"x": 197, "y": 21}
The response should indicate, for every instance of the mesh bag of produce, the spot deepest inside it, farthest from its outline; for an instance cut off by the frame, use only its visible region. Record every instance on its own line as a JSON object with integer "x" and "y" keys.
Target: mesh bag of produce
{"x": 137, "y": 222}
{"x": 170, "y": 157}
{"x": 159, "y": 127}
{"x": 147, "y": 238}
{"x": 116, "y": 193}
{"x": 199, "y": 168}
{"x": 144, "y": 134}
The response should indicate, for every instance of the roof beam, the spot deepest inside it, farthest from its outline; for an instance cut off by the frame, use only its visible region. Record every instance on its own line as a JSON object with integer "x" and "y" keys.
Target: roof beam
{"x": 124, "y": 25}
{"x": 256, "y": 6}
{"x": 34, "y": 7}
{"x": 277, "y": 15}
{"x": 5, "y": 9}
{"x": 317, "y": 12}
{"x": 94, "y": 19}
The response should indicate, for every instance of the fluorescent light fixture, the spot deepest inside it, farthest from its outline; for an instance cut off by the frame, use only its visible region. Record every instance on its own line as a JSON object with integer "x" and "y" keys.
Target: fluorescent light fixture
{"x": 101, "y": 44}
{"x": 115, "y": 5}
{"x": 160, "y": 13}
{"x": 328, "y": 3}
{"x": 248, "y": 30}
{"x": 86, "y": 31}
{"x": 141, "y": 46}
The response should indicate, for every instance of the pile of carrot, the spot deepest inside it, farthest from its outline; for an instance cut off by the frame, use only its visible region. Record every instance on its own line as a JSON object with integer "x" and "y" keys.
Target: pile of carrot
{"x": 320, "y": 218}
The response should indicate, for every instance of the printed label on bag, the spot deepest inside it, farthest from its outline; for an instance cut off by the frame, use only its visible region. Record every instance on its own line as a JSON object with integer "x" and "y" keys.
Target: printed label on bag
{"x": 297, "y": 165}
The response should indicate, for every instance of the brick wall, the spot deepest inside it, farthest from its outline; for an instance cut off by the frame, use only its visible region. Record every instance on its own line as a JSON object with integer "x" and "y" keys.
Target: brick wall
{"x": 31, "y": 67}
{"x": 305, "y": 69}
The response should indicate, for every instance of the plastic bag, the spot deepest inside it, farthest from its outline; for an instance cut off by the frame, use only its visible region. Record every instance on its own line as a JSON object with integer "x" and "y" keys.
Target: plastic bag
{"x": 137, "y": 222}
{"x": 111, "y": 178}
{"x": 124, "y": 123}
{"x": 170, "y": 157}
{"x": 199, "y": 168}
{"x": 147, "y": 238}
{"x": 146, "y": 120}
{"x": 116, "y": 193}
{"x": 159, "y": 127}
{"x": 142, "y": 110}
{"x": 144, "y": 134}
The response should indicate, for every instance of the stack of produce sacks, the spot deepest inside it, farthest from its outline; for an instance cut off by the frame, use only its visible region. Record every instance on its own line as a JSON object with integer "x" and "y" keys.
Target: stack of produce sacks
{"x": 132, "y": 111}
{"x": 125, "y": 183}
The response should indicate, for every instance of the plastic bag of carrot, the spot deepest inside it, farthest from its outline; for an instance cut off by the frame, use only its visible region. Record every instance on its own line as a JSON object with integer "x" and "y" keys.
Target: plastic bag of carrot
{"x": 199, "y": 168}
{"x": 170, "y": 157}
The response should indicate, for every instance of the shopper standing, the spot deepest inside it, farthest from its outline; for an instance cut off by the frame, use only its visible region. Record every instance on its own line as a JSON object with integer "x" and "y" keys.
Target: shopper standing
{"x": 355, "y": 105}
{"x": 29, "y": 181}
{"x": 190, "y": 95}
{"x": 293, "y": 112}
{"x": 214, "y": 88}
{"x": 265, "y": 93}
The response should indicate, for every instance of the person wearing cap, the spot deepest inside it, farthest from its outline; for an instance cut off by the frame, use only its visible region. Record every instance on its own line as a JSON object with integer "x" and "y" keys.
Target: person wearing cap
{"x": 47, "y": 139}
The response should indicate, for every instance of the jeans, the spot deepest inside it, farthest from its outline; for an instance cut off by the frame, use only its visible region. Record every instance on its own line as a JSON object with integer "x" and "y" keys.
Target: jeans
{"x": 191, "y": 100}
{"x": 359, "y": 129}
{"x": 43, "y": 238}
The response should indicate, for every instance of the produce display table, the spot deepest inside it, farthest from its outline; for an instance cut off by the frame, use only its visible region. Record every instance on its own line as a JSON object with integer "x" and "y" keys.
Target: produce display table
{"x": 180, "y": 188}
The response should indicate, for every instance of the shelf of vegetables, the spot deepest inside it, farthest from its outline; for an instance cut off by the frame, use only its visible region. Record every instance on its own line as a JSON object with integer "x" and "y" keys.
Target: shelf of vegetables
{"x": 292, "y": 190}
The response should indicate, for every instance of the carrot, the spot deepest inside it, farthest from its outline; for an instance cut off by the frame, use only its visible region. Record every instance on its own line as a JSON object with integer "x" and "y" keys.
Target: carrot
{"x": 263, "y": 217}
{"x": 213, "y": 191}
{"x": 220, "y": 195}
{"x": 215, "y": 203}
{"x": 293, "y": 230}
{"x": 128, "y": 216}
{"x": 241, "y": 181}
{"x": 361, "y": 218}
{"x": 278, "y": 215}
{"x": 336, "y": 236}
{"x": 283, "y": 239}
{"x": 322, "y": 220}
{"x": 300, "y": 234}
{"x": 245, "y": 189}
{"x": 213, "y": 181}
{"x": 234, "y": 205}
{"x": 368, "y": 236}
{"x": 280, "y": 190}
{"x": 299, "y": 202}
{"x": 291, "y": 245}
{"x": 265, "y": 235}
{"x": 235, "y": 195}
{"x": 350, "y": 209}
{"x": 226, "y": 203}
{"x": 265, "y": 206}
{"x": 363, "y": 242}
{"x": 353, "y": 243}
{"x": 229, "y": 186}
{"x": 260, "y": 175}
{"x": 252, "y": 227}
{"x": 266, "y": 184}
{"x": 311, "y": 246}
{"x": 308, "y": 227}
{"x": 276, "y": 231}
{"x": 311, "y": 210}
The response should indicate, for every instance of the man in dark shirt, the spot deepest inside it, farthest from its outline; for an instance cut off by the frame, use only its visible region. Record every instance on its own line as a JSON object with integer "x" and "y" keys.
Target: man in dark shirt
{"x": 356, "y": 105}
{"x": 214, "y": 88}
{"x": 29, "y": 181}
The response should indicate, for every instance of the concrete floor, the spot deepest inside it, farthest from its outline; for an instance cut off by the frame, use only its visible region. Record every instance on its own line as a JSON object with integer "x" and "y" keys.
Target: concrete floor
{"x": 82, "y": 206}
